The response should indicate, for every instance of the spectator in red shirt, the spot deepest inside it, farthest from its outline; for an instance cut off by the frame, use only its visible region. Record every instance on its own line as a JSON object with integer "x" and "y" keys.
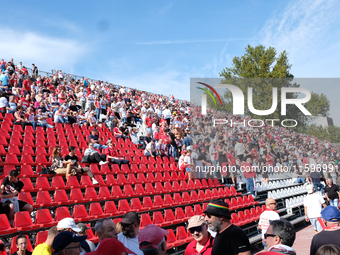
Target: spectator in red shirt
{"x": 26, "y": 85}
{"x": 112, "y": 155}
{"x": 203, "y": 241}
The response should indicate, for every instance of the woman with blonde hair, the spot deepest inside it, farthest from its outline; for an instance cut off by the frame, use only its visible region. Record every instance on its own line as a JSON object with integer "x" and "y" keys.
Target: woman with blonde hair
{"x": 59, "y": 165}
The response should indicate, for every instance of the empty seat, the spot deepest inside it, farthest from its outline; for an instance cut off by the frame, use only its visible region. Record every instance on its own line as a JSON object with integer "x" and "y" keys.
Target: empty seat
{"x": 123, "y": 206}
{"x": 23, "y": 221}
{"x": 158, "y": 219}
{"x": 91, "y": 194}
{"x": 41, "y": 237}
{"x": 136, "y": 205}
{"x": 110, "y": 208}
{"x": 5, "y": 227}
{"x": 80, "y": 213}
{"x": 145, "y": 220}
{"x": 61, "y": 198}
{"x": 42, "y": 183}
{"x": 61, "y": 213}
{"x": 58, "y": 182}
{"x": 76, "y": 196}
{"x": 44, "y": 200}
{"x": 96, "y": 211}
{"x": 44, "y": 219}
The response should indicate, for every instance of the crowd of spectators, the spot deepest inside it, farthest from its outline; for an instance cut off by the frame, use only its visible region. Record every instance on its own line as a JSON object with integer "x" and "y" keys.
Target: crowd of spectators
{"x": 170, "y": 128}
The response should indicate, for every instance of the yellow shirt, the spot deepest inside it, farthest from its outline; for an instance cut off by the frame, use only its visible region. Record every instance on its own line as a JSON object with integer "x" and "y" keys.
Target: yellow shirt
{"x": 42, "y": 249}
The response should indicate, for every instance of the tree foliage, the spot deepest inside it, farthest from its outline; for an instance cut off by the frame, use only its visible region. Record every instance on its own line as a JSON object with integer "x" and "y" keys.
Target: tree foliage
{"x": 262, "y": 69}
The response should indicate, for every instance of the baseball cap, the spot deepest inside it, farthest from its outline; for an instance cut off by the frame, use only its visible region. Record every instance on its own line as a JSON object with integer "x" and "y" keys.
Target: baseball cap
{"x": 65, "y": 238}
{"x": 309, "y": 189}
{"x": 331, "y": 214}
{"x": 68, "y": 223}
{"x": 183, "y": 152}
{"x": 151, "y": 236}
{"x": 113, "y": 245}
{"x": 82, "y": 227}
{"x": 196, "y": 221}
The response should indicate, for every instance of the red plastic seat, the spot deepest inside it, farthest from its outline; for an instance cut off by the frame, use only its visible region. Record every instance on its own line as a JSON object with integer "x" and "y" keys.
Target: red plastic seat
{"x": 125, "y": 169}
{"x": 167, "y": 187}
{"x": 15, "y": 140}
{"x": 168, "y": 200}
{"x": 42, "y": 183}
{"x": 147, "y": 203}
{"x": 131, "y": 179}
{"x": 105, "y": 169}
{"x": 186, "y": 198}
{"x": 26, "y": 171}
{"x": 181, "y": 236}
{"x": 11, "y": 159}
{"x": 198, "y": 184}
{"x": 189, "y": 212}
{"x": 179, "y": 214}
{"x": 104, "y": 193}
{"x": 44, "y": 218}
{"x": 76, "y": 196}
{"x": 115, "y": 169}
{"x": 150, "y": 177}
{"x": 58, "y": 182}
{"x": 250, "y": 218}
{"x": 123, "y": 206}
{"x": 177, "y": 199}
{"x": 110, "y": 180}
{"x": 110, "y": 208}
{"x": 94, "y": 169}
{"x": 235, "y": 220}
{"x": 159, "y": 188}
{"x": 240, "y": 202}
{"x": 158, "y": 202}
{"x": 184, "y": 185}
{"x": 5, "y": 227}
{"x": 61, "y": 198}
{"x": 198, "y": 209}
{"x": 136, "y": 205}
{"x": 41, "y": 237}
{"x": 139, "y": 190}
{"x": 100, "y": 180}
{"x": 40, "y": 143}
{"x": 91, "y": 194}
{"x": 13, "y": 149}
{"x": 176, "y": 186}
{"x": 85, "y": 181}
{"x": 128, "y": 191}
{"x": 80, "y": 213}
{"x": 96, "y": 211}
{"x": 251, "y": 200}
{"x": 258, "y": 210}
{"x": 242, "y": 218}
{"x": 41, "y": 160}
{"x": 145, "y": 220}
{"x": 201, "y": 195}
{"x": 157, "y": 219}
{"x": 27, "y": 160}
{"x": 159, "y": 177}
{"x": 23, "y": 221}
{"x": 246, "y": 201}
{"x": 27, "y": 197}
{"x": 171, "y": 239}
{"x": 149, "y": 190}
{"x": 28, "y": 185}
{"x": 116, "y": 192}
{"x": 194, "y": 196}
{"x": 121, "y": 179}
{"x": 72, "y": 182}
{"x": 44, "y": 200}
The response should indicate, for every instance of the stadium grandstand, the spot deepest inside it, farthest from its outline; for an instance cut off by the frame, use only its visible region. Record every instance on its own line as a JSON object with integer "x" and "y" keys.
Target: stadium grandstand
{"x": 87, "y": 149}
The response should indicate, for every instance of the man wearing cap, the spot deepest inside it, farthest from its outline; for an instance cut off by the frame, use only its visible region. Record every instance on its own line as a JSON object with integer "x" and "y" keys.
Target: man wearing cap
{"x": 67, "y": 243}
{"x": 130, "y": 230}
{"x": 152, "y": 240}
{"x": 330, "y": 235}
{"x": 230, "y": 239}
{"x": 203, "y": 242}
{"x": 83, "y": 232}
{"x": 266, "y": 216}
{"x": 45, "y": 247}
{"x": 313, "y": 203}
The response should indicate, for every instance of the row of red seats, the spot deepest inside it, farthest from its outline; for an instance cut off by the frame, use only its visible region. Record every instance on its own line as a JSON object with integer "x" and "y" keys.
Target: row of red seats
{"x": 178, "y": 197}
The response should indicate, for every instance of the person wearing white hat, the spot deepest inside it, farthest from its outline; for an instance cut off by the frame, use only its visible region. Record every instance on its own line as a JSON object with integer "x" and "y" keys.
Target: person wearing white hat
{"x": 313, "y": 203}
{"x": 68, "y": 224}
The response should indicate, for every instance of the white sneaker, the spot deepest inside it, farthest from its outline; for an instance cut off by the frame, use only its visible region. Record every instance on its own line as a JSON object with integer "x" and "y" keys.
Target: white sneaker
{"x": 94, "y": 182}
{"x": 103, "y": 162}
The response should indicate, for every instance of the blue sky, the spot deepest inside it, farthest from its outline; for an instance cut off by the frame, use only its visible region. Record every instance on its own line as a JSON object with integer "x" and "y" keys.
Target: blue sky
{"x": 159, "y": 45}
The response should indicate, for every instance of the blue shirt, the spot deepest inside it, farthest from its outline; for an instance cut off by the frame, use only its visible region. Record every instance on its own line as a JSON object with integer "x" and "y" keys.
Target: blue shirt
{"x": 4, "y": 78}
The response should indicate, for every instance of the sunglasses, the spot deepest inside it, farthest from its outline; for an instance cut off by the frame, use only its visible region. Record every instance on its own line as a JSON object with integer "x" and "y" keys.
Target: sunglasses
{"x": 266, "y": 235}
{"x": 209, "y": 215}
{"x": 196, "y": 229}
{"x": 126, "y": 225}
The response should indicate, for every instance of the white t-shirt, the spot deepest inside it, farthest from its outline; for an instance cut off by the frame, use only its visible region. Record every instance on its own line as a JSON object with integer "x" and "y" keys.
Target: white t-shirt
{"x": 314, "y": 205}
{"x": 122, "y": 112}
{"x": 130, "y": 243}
{"x": 3, "y": 102}
{"x": 265, "y": 217}
{"x": 187, "y": 160}
{"x": 239, "y": 148}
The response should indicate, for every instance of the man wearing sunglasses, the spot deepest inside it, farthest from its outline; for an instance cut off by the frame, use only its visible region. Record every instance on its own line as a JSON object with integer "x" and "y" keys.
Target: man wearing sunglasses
{"x": 203, "y": 242}
{"x": 266, "y": 216}
{"x": 130, "y": 230}
{"x": 280, "y": 237}
{"x": 230, "y": 239}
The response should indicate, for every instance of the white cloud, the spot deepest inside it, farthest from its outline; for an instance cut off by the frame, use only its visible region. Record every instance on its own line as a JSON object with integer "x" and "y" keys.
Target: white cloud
{"x": 308, "y": 31}
{"x": 46, "y": 52}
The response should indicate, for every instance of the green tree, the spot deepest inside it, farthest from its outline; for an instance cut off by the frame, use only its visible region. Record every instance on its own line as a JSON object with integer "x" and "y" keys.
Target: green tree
{"x": 262, "y": 69}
